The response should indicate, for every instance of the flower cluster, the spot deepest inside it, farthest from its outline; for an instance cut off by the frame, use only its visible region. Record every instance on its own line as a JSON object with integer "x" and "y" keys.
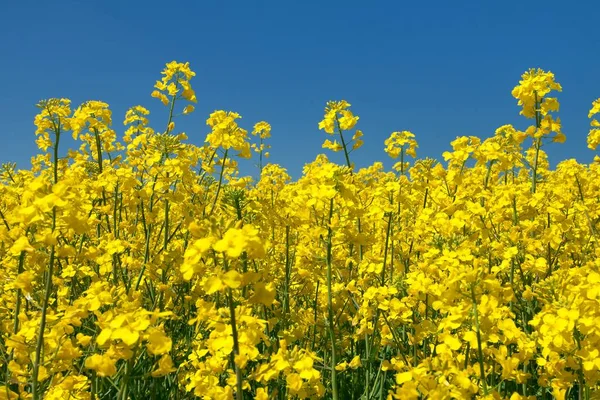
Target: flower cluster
{"x": 338, "y": 118}
{"x": 153, "y": 268}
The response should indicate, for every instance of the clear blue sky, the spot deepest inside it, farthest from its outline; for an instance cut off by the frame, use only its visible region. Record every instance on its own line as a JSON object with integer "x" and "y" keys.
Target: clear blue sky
{"x": 439, "y": 69}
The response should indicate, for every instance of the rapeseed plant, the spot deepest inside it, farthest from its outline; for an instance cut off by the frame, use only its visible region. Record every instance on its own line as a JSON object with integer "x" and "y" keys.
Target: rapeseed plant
{"x": 147, "y": 268}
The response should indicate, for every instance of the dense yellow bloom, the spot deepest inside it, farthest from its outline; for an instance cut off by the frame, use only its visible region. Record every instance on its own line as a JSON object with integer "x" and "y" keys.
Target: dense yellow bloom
{"x": 176, "y": 77}
{"x": 227, "y": 134}
{"x": 532, "y": 90}
{"x": 399, "y": 144}
{"x": 337, "y": 116}
{"x": 159, "y": 270}
{"x": 593, "y": 139}
{"x": 103, "y": 365}
{"x": 334, "y": 146}
{"x": 396, "y": 142}
{"x": 262, "y": 129}
{"x": 53, "y": 118}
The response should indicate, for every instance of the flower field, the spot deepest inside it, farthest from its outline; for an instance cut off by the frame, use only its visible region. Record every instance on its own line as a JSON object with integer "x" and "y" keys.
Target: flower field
{"x": 140, "y": 266}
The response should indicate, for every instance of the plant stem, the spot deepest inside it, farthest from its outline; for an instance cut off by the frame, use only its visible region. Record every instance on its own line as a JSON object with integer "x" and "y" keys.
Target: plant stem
{"x": 538, "y": 145}
{"x": 334, "y": 388}
{"x": 19, "y": 294}
{"x": 286, "y": 299}
{"x": 236, "y": 347}
{"x": 220, "y": 183}
{"x": 98, "y": 149}
{"x": 346, "y": 154}
{"x": 48, "y": 287}
{"x": 385, "y": 250}
{"x": 479, "y": 349}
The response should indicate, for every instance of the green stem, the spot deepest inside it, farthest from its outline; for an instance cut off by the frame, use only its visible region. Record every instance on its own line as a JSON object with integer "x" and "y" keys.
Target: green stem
{"x": 94, "y": 385}
{"x": 98, "y": 149}
{"x": 260, "y": 160}
{"x": 334, "y": 387}
{"x": 479, "y": 349}
{"x": 346, "y": 154}
{"x": 239, "y": 395}
{"x": 173, "y": 98}
{"x": 166, "y": 240}
{"x": 402, "y": 160}
{"x": 48, "y": 286}
{"x": 19, "y": 294}
{"x": 125, "y": 383}
{"x": 316, "y": 305}
{"x": 538, "y": 145}
{"x": 286, "y": 299}
{"x": 220, "y": 183}
{"x": 115, "y": 219}
{"x": 55, "y": 164}
{"x": 385, "y": 250}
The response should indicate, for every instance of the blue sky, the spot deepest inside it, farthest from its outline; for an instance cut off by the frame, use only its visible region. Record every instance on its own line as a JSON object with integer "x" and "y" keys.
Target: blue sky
{"x": 439, "y": 69}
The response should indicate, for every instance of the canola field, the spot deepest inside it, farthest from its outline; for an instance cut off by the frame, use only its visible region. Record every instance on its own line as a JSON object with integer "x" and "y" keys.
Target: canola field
{"x": 141, "y": 266}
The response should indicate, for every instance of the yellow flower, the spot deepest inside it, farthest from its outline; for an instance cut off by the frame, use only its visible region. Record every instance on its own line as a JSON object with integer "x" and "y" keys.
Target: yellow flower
{"x": 158, "y": 342}
{"x": 103, "y": 365}
{"x": 261, "y": 394}
{"x": 188, "y": 109}
{"x": 164, "y": 367}
{"x": 262, "y": 129}
{"x": 463, "y": 279}
{"x": 263, "y": 294}
{"x": 535, "y": 84}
